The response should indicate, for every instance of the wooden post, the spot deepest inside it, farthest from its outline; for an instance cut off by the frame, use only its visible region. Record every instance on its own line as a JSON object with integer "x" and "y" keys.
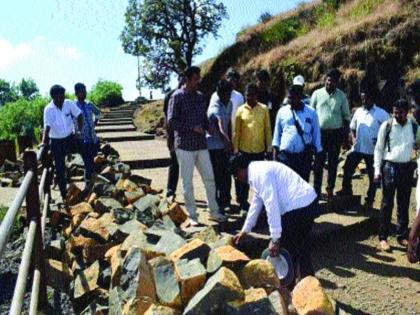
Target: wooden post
{"x": 33, "y": 214}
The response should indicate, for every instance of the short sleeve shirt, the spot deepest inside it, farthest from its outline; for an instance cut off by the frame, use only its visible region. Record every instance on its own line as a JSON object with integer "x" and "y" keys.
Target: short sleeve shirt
{"x": 216, "y": 111}
{"x": 60, "y": 121}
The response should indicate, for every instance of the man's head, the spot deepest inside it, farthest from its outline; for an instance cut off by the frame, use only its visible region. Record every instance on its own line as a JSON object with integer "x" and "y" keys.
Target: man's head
{"x": 299, "y": 80}
{"x": 238, "y": 167}
{"x": 367, "y": 99}
{"x": 57, "y": 94}
{"x": 294, "y": 96}
{"x": 80, "y": 91}
{"x": 192, "y": 76}
{"x": 251, "y": 94}
{"x": 400, "y": 110}
{"x": 331, "y": 79}
{"x": 234, "y": 78}
{"x": 224, "y": 91}
{"x": 263, "y": 79}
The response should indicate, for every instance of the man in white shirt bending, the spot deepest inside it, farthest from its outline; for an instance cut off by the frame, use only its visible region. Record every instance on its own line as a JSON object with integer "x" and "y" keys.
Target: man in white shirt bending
{"x": 59, "y": 118}
{"x": 393, "y": 151}
{"x": 364, "y": 128}
{"x": 291, "y": 206}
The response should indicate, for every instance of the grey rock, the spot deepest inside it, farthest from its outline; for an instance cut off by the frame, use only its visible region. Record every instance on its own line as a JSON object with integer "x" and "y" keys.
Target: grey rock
{"x": 167, "y": 288}
{"x": 121, "y": 215}
{"x": 116, "y": 301}
{"x": 105, "y": 204}
{"x": 55, "y": 249}
{"x": 104, "y": 280}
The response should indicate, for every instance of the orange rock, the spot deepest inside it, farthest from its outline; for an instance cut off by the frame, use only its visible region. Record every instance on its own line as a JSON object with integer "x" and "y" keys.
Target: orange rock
{"x": 110, "y": 252}
{"x": 99, "y": 159}
{"x": 116, "y": 262}
{"x": 260, "y": 273}
{"x": 59, "y": 275}
{"x": 81, "y": 208}
{"x": 76, "y": 243}
{"x": 95, "y": 228}
{"x": 130, "y": 186}
{"x": 193, "y": 249}
{"x": 73, "y": 195}
{"x": 95, "y": 252}
{"x": 177, "y": 213}
{"x": 92, "y": 199}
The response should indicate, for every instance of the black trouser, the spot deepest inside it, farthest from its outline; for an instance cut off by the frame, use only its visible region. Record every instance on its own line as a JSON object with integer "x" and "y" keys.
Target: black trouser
{"x": 353, "y": 159}
{"x": 242, "y": 189}
{"x": 59, "y": 149}
{"x": 88, "y": 152}
{"x": 299, "y": 162}
{"x": 295, "y": 237}
{"x": 331, "y": 141}
{"x": 173, "y": 175}
{"x": 220, "y": 162}
{"x": 395, "y": 177}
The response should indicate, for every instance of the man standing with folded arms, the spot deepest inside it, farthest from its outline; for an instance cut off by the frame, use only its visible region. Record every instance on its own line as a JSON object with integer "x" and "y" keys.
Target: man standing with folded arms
{"x": 187, "y": 116}
{"x": 58, "y": 131}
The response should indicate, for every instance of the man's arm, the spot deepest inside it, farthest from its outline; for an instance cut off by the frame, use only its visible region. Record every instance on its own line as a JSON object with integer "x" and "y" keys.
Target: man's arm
{"x": 267, "y": 131}
{"x": 278, "y": 131}
{"x": 174, "y": 115}
{"x": 379, "y": 151}
{"x": 253, "y": 213}
{"x": 46, "y": 136}
{"x": 96, "y": 111}
{"x": 237, "y": 131}
{"x": 313, "y": 100}
{"x": 316, "y": 134}
{"x": 80, "y": 122}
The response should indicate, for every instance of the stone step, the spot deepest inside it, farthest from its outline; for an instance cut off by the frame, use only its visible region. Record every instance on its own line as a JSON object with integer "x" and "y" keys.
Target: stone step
{"x": 115, "y": 128}
{"x": 119, "y": 112}
{"x": 118, "y": 109}
{"x": 115, "y": 122}
{"x": 118, "y": 116}
{"x": 125, "y": 136}
{"x": 148, "y": 163}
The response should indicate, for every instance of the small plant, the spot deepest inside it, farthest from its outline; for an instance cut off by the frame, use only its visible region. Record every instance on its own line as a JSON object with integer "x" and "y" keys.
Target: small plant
{"x": 282, "y": 31}
{"x": 325, "y": 14}
{"x": 364, "y": 8}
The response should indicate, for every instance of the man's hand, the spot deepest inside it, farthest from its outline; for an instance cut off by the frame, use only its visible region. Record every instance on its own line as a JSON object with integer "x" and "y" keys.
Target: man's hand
{"x": 237, "y": 238}
{"x": 377, "y": 178}
{"x": 411, "y": 254}
{"x": 273, "y": 248}
{"x": 198, "y": 129}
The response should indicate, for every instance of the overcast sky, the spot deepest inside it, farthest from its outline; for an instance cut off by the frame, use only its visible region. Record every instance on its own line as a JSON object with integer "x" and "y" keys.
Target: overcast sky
{"x": 66, "y": 41}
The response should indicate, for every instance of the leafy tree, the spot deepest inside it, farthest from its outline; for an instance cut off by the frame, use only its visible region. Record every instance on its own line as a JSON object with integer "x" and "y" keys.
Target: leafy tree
{"x": 265, "y": 17}
{"x": 167, "y": 34}
{"x": 106, "y": 93}
{"x": 7, "y": 92}
{"x": 28, "y": 89}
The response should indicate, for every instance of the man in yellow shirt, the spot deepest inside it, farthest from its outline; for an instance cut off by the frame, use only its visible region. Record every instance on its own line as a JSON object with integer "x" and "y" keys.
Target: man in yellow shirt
{"x": 252, "y": 136}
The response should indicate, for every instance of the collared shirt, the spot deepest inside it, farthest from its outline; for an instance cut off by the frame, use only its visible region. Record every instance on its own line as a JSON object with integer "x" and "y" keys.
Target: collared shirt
{"x": 366, "y": 123}
{"x": 252, "y": 129}
{"x": 332, "y": 109}
{"x": 286, "y": 136}
{"x": 187, "y": 110}
{"x": 60, "y": 121}
{"x": 216, "y": 111}
{"x": 169, "y": 131}
{"x": 89, "y": 111}
{"x": 401, "y": 144}
{"x": 237, "y": 100}
{"x": 280, "y": 190}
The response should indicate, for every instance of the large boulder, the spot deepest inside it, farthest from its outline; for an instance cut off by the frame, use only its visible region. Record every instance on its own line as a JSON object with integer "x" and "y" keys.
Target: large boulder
{"x": 256, "y": 302}
{"x": 191, "y": 275}
{"x": 220, "y": 289}
{"x": 259, "y": 273}
{"x": 193, "y": 249}
{"x": 167, "y": 287}
{"x": 226, "y": 256}
{"x": 308, "y": 298}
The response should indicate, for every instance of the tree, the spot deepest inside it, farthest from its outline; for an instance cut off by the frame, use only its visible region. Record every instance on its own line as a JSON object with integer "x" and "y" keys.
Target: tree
{"x": 167, "y": 34}
{"x": 7, "y": 92}
{"x": 106, "y": 93}
{"x": 28, "y": 89}
{"x": 265, "y": 17}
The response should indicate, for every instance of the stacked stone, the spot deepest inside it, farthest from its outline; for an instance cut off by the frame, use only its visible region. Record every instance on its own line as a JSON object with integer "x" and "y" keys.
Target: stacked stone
{"x": 126, "y": 250}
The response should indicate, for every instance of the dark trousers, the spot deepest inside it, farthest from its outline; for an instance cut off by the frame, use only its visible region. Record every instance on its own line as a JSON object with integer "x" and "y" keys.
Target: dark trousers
{"x": 331, "y": 141}
{"x": 88, "y": 152}
{"x": 173, "y": 175}
{"x": 353, "y": 159}
{"x": 242, "y": 189}
{"x": 395, "y": 177}
{"x": 295, "y": 237}
{"x": 60, "y": 149}
{"x": 299, "y": 162}
{"x": 220, "y": 162}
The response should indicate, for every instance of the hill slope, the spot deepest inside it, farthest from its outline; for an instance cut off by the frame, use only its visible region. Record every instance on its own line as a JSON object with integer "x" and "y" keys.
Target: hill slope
{"x": 324, "y": 34}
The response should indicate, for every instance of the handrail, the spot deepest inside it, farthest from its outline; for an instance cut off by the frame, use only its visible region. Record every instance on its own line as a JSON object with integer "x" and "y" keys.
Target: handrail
{"x": 34, "y": 193}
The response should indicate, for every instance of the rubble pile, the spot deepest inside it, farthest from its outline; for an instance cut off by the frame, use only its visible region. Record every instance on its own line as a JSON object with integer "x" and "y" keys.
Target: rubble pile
{"x": 127, "y": 250}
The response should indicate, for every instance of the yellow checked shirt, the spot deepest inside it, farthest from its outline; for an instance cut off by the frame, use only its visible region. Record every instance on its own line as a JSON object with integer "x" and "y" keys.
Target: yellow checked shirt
{"x": 252, "y": 129}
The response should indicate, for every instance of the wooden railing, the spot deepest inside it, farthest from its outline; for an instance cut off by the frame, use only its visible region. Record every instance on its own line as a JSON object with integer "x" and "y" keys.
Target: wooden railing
{"x": 37, "y": 197}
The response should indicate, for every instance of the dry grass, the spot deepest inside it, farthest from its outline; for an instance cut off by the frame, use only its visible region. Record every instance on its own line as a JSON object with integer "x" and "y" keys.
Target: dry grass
{"x": 149, "y": 117}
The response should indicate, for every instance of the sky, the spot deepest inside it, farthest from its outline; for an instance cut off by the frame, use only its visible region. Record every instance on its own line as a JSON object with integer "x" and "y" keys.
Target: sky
{"x": 67, "y": 41}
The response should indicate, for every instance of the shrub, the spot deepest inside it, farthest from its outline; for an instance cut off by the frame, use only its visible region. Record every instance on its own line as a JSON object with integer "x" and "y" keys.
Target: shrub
{"x": 325, "y": 14}
{"x": 21, "y": 117}
{"x": 106, "y": 93}
{"x": 364, "y": 8}
{"x": 281, "y": 32}
{"x": 265, "y": 17}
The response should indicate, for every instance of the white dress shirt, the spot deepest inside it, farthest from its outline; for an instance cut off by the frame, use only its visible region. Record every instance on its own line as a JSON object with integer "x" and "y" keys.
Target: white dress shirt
{"x": 367, "y": 124}
{"x": 401, "y": 143}
{"x": 60, "y": 121}
{"x": 237, "y": 100}
{"x": 280, "y": 190}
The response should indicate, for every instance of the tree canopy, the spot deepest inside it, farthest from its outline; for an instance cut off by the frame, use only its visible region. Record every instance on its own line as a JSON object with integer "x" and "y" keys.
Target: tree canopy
{"x": 28, "y": 88}
{"x": 8, "y": 92}
{"x": 167, "y": 34}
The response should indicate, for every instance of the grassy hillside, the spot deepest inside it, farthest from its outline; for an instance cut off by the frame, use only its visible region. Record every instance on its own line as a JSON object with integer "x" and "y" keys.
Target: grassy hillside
{"x": 317, "y": 36}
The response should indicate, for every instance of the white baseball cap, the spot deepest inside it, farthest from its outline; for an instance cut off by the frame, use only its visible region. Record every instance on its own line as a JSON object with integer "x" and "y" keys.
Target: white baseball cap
{"x": 299, "y": 80}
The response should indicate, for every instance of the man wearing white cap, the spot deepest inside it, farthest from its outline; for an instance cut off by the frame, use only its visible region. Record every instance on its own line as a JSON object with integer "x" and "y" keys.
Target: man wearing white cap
{"x": 299, "y": 80}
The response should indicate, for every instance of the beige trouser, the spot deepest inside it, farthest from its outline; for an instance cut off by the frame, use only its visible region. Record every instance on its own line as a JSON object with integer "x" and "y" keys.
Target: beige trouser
{"x": 187, "y": 160}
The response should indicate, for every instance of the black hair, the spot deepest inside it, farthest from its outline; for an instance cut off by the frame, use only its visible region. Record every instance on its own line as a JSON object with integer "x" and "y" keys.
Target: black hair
{"x": 79, "y": 86}
{"x": 224, "y": 86}
{"x": 232, "y": 74}
{"x": 251, "y": 87}
{"x": 190, "y": 71}
{"x": 334, "y": 74}
{"x": 57, "y": 89}
{"x": 296, "y": 90}
{"x": 238, "y": 161}
{"x": 401, "y": 104}
{"x": 262, "y": 75}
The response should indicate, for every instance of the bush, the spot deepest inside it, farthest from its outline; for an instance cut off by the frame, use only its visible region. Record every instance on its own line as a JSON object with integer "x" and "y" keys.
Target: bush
{"x": 265, "y": 17}
{"x": 21, "y": 117}
{"x": 325, "y": 14}
{"x": 282, "y": 31}
{"x": 364, "y": 8}
{"x": 106, "y": 93}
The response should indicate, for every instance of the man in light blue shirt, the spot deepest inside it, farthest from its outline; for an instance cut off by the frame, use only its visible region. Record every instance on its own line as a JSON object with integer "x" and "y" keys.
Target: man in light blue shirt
{"x": 297, "y": 135}
{"x": 365, "y": 128}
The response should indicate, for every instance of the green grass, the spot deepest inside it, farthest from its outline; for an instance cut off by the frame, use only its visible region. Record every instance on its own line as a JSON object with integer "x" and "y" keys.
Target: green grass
{"x": 18, "y": 226}
{"x": 364, "y": 8}
{"x": 325, "y": 15}
{"x": 282, "y": 31}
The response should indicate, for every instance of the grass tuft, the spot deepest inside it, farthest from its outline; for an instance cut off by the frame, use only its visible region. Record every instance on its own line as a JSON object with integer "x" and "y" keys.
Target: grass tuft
{"x": 364, "y": 8}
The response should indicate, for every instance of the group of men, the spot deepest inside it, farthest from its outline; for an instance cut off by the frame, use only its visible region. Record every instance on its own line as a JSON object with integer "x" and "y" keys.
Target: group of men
{"x": 231, "y": 134}
{"x": 69, "y": 127}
